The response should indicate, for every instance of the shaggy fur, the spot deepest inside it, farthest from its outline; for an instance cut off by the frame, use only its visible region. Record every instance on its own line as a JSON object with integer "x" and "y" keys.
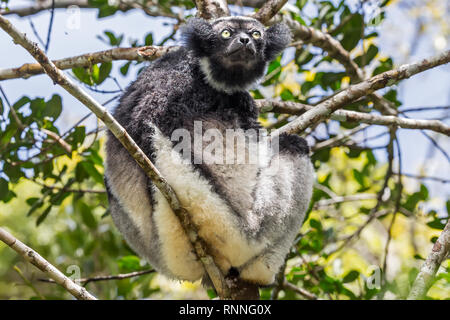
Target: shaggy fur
{"x": 247, "y": 213}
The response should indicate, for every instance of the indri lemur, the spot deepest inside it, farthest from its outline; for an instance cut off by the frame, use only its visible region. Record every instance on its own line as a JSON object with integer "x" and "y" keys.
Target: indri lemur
{"x": 248, "y": 214}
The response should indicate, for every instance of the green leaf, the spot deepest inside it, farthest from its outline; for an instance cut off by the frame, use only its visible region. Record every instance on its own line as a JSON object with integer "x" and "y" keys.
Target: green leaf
{"x": 436, "y": 224}
{"x": 352, "y": 32}
{"x": 54, "y": 107}
{"x": 83, "y": 75}
{"x": 385, "y": 65}
{"x": 94, "y": 157}
{"x": 77, "y": 136}
{"x": 148, "y": 39}
{"x": 87, "y": 216}
{"x": 359, "y": 177}
{"x": 104, "y": 71}
{"x": 21, "y": 102}
{"x": 13, "y": 172}
{"x": 129, "y": 264}
{"x": 212, "y": 294}
{"x": 124, "y": 69}
{"x": 106, "y": 10}
{"x": 31, "y": 201}
{"x": 43, "y": 216}
{"x": 37, "y": 107}
{"x": 368, "y": 57}
{"x": 113, "y": 39}
{"x": 351, "y": 276}
{"x": 92, "y": 171}
{"x": 3, "y": 189}
{"x": 315, "y": 224}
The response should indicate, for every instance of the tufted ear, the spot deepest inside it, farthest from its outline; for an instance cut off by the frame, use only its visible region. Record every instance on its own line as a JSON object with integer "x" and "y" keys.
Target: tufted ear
{"x": 278, "y": 38}
{"x": 198, "y": 36}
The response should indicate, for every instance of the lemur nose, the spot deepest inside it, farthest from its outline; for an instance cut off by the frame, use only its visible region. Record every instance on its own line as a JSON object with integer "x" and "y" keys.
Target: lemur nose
{"x": 244, "y": 39}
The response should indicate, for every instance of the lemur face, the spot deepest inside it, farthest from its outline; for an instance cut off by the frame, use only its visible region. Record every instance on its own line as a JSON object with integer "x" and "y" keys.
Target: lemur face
{"x": 240, "y": 41}
{"x": 233, "y": 52}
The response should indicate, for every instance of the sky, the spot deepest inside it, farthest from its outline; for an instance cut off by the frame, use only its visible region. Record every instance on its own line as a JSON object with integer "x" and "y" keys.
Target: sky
{"x": 70, "y": 38}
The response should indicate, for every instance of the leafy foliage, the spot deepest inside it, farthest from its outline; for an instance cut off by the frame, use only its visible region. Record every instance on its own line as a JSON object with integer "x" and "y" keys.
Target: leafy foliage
{"x": 52, "y": 192}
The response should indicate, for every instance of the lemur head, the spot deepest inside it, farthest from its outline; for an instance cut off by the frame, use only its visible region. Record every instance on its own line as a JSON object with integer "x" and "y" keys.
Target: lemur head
{"x": 233, "y": 52}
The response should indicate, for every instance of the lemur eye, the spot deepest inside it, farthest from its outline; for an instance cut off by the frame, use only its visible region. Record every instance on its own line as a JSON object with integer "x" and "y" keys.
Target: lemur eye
{"x": 226, "y": 34}
{"x": 256, "y": 34}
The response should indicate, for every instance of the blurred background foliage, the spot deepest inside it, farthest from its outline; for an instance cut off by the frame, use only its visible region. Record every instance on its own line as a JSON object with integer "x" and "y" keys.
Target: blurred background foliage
{"x": 356, "y": 242}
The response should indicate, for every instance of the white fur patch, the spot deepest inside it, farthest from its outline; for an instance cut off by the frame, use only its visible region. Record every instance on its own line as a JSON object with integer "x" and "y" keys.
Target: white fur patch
{"x": 176, "y": 249}
{"x": 217, "y": 224}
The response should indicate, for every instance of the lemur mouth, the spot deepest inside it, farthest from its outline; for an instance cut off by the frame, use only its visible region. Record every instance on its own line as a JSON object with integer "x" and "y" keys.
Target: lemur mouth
{"x": 244, "y": 49}
{"x": 240, "y": 54}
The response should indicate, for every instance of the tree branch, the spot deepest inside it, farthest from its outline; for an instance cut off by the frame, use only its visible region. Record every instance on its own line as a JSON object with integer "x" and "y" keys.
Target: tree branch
{"x": 296, "y": 108}
{"x": 145, "y": 53}
{"x": 121, "y": 276}
{"x": 211, "y": 9}
{"x": 269, "y": 10}
{"x": 323, "y": 110}
{"x": 305, "y": 293}
{"x": 248, "y": 3}
{"x": 338, "y": 139}
{"x": 124, "y": 5}
{"x": 440, "y": 251}
{"x": 341, "y": 199}
{"x": 39, "y": 6}
{"x": 34, "y": 258}
{"x": 120, "y": 133}
{"x": 58, "y": 139}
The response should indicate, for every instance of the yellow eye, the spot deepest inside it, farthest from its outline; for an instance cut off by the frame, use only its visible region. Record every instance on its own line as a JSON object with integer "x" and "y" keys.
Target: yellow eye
{"x": 256, "y": 34}
{"x": 226, "y": 34}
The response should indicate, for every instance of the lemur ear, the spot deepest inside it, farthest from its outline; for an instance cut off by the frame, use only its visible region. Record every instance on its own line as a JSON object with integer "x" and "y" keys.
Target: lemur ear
{"x": 278, "y": 38}
{"x": 198, "y": 36}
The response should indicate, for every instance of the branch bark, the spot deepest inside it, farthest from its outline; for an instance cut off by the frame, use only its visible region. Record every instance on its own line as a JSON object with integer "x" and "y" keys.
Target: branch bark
{"x": 296, "y": 108}
{"x": 305, "y": 293}
{"x": 269, "y": 10}
{"x": 43, "y": 5}
{"x": 145, "y": 53}
{"x": 144, "y": 162}
{"x": 37, "y": 260}
{"x": 440, "y": 251}
{"x": 121, "y": 276}
{"x": 356, "y": 91}
{"x": 211, "y": 9}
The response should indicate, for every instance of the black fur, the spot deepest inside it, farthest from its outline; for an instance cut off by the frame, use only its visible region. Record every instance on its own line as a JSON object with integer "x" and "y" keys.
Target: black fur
{"x": 293, "y": 144}
{"x": 278, "y": 38}
{"x": 204, "y": 40}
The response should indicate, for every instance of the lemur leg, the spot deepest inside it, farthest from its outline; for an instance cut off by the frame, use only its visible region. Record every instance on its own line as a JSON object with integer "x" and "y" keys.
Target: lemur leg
{"x": 281, "y": 199}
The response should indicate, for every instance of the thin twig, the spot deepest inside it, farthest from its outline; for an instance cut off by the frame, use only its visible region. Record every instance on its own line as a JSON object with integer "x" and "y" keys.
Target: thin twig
{"x": 34, "y": 258}
{"x": 305, "y": 293}
{"x": 50, "y": 26}
{"x": 85, "y": 281}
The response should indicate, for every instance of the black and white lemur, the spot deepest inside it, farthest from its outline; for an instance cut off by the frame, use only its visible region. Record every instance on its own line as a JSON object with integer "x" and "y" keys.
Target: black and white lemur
{"x": 248, "y": 213}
